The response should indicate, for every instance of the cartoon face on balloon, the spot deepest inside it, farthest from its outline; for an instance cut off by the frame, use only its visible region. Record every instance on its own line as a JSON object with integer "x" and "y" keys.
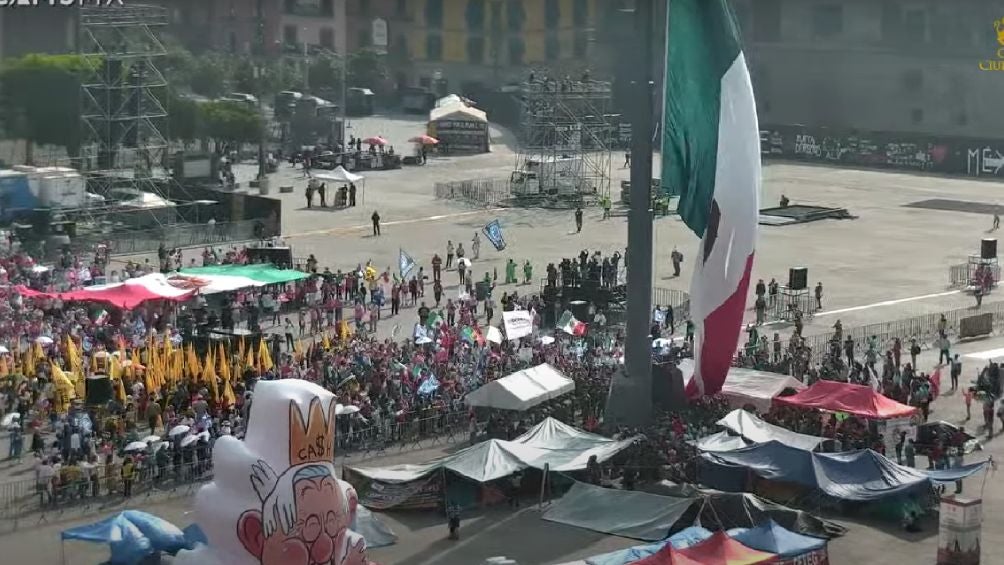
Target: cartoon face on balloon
{"x": 305, "y": 512}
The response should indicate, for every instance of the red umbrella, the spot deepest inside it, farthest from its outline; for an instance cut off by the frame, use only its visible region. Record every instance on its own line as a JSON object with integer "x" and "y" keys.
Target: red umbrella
{"x": 375, "y": 140}
{"x": 424, "y": 140}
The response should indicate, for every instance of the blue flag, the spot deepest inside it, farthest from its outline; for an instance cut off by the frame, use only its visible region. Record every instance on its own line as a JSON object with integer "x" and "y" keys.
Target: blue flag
{"x": 405, "y": 263}
{"x": 493, "y": 232}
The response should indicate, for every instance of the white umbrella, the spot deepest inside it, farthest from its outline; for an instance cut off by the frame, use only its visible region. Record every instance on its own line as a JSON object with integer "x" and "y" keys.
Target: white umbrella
{"x": 464, "y": 261}
{"x": 189, "y": 440}
{"x": 661, "y": 343}
{"x": 546, "y": 339}
{"x": 341, "y": 410}
{"x": 494, "y": 335}
{"x": 178, "y": 430}
{"x": 158, "y": 446}
{"x": 151, "y": 439}
{"x": 423, "y": 340}
{"x": 203, "y": 435}
{"x": 3, "y": 349}
{"x": 9, "y": 419}
{"x": 136, "y": 446}
{"x": 44, "y": 340}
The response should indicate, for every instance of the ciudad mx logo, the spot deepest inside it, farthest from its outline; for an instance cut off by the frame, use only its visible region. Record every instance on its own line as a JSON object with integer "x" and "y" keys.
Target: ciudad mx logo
{"x": 998, "y": 63}
{"x": 58, "y": 3}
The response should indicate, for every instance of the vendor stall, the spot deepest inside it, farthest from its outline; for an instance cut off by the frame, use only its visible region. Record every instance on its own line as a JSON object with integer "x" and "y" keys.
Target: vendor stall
{"x": 856, "y": 400}
{"x": 459, "y": 128}
{"x": 748, "y": 387}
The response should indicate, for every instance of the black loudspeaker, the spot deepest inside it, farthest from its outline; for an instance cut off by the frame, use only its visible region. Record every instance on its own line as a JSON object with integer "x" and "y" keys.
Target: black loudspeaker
{"x": 41, "y": 221}
{"x": 798, "y": 278}
{"x": 988, "y": 248}
{"x": 98, "y": 390}
{"x": 668, "y": 392}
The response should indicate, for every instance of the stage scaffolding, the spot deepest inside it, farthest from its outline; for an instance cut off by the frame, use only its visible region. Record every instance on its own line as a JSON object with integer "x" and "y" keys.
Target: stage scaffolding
{"x": 123, "y": 102}
{"x": 566, "y": 134}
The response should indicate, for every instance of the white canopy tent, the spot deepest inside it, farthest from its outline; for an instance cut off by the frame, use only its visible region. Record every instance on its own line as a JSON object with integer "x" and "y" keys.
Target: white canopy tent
{"x": 757, "y": 388}
{"x": 551, "y": 443}
{"x": 754, "y": 430}
{"x": 341, "y": 176}
{"x": 522, "y": 390}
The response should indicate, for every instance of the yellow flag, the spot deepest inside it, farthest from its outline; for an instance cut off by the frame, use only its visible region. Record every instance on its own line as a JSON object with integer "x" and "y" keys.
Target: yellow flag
{"x": 224, "y": 362}
{"x": 120, "y": 392}
{"x": 325, "y": 342}
{"x": 229, "y": 398}
{"x": 114, "y": 368}
{"x": 249, "y": 360}
{"x": 264, "y": 357}
{"x": 242, "y": 351}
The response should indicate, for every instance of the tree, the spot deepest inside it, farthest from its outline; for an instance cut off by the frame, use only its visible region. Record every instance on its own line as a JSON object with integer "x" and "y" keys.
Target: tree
{"x": 231, "y": 122}
{"x": 368, "y": 69}
{"x": 183, "y": 119}
{"x": 325, "y": 73}
{"x": 40, "y": 99}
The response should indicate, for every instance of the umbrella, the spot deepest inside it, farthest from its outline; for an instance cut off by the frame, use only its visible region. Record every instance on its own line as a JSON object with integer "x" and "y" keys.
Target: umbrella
{"x": 44, "y": 340}
{"x": 189, "y": 440}
{"x": 135, "y": 446}
{"x": 178, "y": 430}
{"x": 375, "y": 140}
{"x": 203, "y": 435}
{"x": 9, "y": 419}
{"x": 158, "y": 446}
{"x": 151, "y": 439}
{"x": 546, "y": 339}
{"x": 423, "y": 340}
{"x": 424, "y": 140}
{"x": 341, "y": 410}
{"x": 465, "y": 261}
{"x": 3, "y": 349}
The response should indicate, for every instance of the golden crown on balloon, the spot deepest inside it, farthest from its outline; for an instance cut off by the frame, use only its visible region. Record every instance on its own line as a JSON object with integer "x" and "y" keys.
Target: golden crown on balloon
{"x": 312, "y": 441}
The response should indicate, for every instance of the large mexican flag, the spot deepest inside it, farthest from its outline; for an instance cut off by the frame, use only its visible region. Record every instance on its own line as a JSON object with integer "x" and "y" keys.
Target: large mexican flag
{"x": 711, "y": 158}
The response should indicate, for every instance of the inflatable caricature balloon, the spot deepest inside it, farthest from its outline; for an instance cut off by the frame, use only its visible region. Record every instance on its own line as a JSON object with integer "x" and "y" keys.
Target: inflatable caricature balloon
{"x": 275, "y": 499}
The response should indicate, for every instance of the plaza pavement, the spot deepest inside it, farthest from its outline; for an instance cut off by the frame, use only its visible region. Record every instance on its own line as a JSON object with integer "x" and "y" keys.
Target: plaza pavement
{"x": 889, "y": 263}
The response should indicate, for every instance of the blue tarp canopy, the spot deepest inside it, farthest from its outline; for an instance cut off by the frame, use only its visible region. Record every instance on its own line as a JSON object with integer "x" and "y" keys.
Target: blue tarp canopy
{"x": 862, "y": 475}
{"x": 132, "y": 535}
{"x": 773, "y": 538}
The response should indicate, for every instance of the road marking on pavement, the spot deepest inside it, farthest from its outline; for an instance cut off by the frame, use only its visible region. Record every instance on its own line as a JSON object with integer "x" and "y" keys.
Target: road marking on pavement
{"x": 886, "y": 303}
{"x": 363, "y": 227}
{"x": 986, "y": 355}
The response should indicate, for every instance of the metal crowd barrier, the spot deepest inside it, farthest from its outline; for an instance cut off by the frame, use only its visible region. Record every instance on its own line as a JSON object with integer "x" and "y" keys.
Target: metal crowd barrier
{"x": 105, "y": 485}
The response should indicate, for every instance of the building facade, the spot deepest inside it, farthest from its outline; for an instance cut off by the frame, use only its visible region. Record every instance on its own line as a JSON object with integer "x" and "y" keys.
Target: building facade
{"x": 909, "y": 66}
{"x": 314, "y": 25}
{"x": 43, "y": 29}
{"x": 496, "y": 41}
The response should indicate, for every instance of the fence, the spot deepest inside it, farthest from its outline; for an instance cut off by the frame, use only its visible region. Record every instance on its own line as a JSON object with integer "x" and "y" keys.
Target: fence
{"x": 476, "y": 192}
{"x": 964, "y": 274}
{"x": 922, "y": 328}
{"x": 104, "y": 484}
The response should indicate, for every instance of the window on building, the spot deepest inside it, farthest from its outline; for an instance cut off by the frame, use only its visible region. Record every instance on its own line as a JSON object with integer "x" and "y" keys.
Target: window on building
{"x": 552, "y": 14}
{"x": 552, "y": 47}
{"x": 891, "y": 22}
{"x": 328, "y": 8}
{"x": 827, "y": 20}
{"x": 475, "y": 49}
{"x": 364, "y": 39}
{"x": 767, "y": 21}
{"x": 580, "y": 13}
{"x": 434, "y": 14}
{"x": 515, "y": 15}
{"x": 289, "y": 34}
{"x": 915, "y": 26}
{"x": 475, "y": 15}
{"x": 327, "y": 38}
{"x": 289, "y": 6}
{"x": 916, "y": 115}
{"x": 434, "y": 47}
{"x": 364, "y": 7}
{"x": 402, "y": 9}
{"x": 399, "y": 47}
{"x": 517, "y": 48}
{"x": 580, "y": 44}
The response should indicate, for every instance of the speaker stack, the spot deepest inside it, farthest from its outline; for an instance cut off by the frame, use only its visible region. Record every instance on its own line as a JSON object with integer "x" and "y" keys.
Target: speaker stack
{"x": 98, "y": 390}
{"x": 798, "y": 278}
{"x": 988, "y": 248}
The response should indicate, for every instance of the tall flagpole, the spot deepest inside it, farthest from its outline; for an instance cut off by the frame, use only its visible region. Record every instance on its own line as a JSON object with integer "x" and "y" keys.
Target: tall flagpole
{"x": 638, "y": 349}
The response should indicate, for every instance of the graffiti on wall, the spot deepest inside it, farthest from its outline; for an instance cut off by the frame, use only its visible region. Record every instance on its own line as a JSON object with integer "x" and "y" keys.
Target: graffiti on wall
{"x": 886, "y": 150}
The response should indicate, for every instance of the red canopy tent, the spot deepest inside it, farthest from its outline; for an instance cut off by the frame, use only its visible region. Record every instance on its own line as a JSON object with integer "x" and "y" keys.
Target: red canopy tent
{"x": 719, "y": 549}
{"x": 858, "y": 400}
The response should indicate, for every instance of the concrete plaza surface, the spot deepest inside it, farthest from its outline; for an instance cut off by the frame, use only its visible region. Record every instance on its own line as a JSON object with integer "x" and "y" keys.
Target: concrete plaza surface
{"x": 889, "y": 263}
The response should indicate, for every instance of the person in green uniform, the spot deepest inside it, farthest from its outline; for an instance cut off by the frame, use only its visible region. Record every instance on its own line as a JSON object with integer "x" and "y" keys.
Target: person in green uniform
{"x": 510, "y": 272}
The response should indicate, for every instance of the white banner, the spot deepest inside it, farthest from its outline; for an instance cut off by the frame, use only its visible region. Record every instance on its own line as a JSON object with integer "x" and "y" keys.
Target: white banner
{"x": 518, "y": 323}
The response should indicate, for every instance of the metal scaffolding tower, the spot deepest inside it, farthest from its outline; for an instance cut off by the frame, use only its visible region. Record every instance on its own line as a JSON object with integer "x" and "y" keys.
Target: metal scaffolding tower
{"x": 566, "y": 135}
{"x": 122, "y": 99}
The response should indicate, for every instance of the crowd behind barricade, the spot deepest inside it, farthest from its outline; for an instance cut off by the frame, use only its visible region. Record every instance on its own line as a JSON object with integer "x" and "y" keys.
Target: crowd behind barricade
{"x": 170, "y": 403}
